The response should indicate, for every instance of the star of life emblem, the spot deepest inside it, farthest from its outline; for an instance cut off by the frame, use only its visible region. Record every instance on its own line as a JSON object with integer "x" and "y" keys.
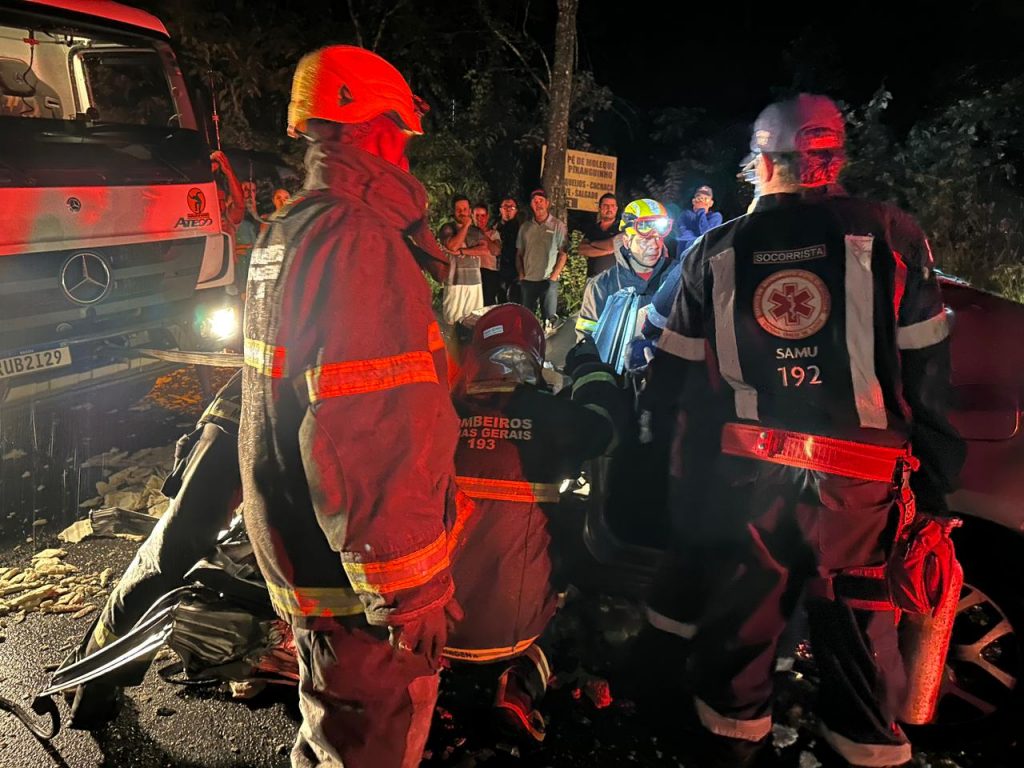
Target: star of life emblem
{"x": 792, "y": 304}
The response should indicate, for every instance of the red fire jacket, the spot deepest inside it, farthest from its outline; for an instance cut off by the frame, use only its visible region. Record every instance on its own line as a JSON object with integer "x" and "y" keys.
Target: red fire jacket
{"x": 347, "y": 432}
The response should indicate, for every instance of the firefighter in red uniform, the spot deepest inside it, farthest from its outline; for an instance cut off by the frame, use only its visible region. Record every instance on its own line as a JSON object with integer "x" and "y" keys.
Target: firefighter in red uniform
{"x": 517, "y": 444}
{"x": 821, "y": 324}
{"x": 347, "y": 433}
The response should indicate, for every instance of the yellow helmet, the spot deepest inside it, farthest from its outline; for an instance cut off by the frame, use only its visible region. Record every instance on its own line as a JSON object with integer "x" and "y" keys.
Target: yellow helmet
{"x": 348, "y": 84}
{"x": 645, "y": 218}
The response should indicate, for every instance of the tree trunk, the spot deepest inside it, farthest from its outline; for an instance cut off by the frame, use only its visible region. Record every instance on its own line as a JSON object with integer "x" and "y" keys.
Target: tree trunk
{"x": 560, "y": 92}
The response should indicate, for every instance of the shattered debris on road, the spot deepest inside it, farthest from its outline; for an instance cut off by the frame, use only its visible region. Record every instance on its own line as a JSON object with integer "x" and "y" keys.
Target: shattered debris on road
{"x": 132, "y": 482}
{"x": 49, "y": 585}
{"x": 129, "y": 501}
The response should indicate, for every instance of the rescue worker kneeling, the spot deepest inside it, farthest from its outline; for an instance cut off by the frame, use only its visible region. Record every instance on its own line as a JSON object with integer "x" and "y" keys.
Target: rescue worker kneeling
{"x": 517, "y": 444}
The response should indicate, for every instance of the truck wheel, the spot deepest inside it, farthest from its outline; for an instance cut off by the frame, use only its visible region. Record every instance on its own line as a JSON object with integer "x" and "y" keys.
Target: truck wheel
{"x": 984, "y": 686}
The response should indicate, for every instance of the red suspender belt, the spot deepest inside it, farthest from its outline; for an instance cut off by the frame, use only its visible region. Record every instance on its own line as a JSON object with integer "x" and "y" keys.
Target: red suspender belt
{"x": 824, "y": 454}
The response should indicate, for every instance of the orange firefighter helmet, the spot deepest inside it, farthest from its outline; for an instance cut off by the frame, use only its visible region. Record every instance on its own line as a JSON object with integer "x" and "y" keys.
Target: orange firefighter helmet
{"x": 507, "y": 349}
{"x": 348, "y": 84}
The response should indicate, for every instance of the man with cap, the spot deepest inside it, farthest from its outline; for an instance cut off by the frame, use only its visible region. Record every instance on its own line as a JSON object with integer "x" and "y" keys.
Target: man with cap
{"x": 698, "y": 220}
{"x": 808, "y": 351}
{"x": 541, "y": 253}
{"x": 347, "y": 432}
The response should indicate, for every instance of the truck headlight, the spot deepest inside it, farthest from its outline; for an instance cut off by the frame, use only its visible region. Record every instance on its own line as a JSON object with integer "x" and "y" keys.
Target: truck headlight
{"x": 221, "y": 324}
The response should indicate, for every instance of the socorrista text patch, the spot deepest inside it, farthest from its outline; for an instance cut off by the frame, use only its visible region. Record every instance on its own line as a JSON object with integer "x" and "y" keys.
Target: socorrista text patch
{"x": 809, "y": 253}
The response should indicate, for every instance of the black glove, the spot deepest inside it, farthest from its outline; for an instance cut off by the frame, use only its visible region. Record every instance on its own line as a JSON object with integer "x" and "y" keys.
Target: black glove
{"x": 584, "y": 352}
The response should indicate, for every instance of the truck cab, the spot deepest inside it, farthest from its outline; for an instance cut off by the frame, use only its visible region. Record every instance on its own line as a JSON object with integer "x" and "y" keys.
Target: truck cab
{"x": 110, "y": 228}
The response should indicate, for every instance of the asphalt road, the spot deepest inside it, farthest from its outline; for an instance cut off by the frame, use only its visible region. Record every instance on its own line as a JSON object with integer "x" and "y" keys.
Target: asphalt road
{"x": 160, "y": 725}
{"x": 163, "y": 724}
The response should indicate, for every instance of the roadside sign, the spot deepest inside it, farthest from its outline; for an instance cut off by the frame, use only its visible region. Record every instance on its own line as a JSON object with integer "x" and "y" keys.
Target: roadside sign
{"x": 587, "y": 177}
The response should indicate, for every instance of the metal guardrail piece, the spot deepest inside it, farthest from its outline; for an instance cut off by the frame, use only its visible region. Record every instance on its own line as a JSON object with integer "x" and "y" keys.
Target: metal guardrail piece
{"x": 145, "y": 637}
{"x": 213, "y": 359}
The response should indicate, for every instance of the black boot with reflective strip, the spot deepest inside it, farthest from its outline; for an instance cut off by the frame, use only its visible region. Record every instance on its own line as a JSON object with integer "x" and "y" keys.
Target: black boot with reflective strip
{"x": 520, "y": 689}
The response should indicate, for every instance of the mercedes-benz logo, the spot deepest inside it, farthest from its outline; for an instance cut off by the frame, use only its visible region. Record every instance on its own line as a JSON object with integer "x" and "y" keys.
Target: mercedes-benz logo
{"x": 85, "y": 278}
{"x": 74, "y": 204}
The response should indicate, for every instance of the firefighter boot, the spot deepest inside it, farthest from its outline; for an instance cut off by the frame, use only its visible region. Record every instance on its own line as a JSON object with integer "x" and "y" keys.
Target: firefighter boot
{"x": 520, "y": 687}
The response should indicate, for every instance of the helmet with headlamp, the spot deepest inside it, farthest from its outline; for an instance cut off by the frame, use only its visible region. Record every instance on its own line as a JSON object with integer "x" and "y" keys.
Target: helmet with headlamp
{"x": 643, "y": 228}
{"x": 645, "y": 218}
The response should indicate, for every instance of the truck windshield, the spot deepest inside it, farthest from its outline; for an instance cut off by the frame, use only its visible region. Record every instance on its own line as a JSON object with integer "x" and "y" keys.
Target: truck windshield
{"x": 83, "y": 104}
{"x": 128, "y": 87}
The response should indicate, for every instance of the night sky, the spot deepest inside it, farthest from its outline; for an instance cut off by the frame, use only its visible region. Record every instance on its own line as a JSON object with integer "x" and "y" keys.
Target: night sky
{"x": 728, "y": 56}
{"x": 720, "y": 62}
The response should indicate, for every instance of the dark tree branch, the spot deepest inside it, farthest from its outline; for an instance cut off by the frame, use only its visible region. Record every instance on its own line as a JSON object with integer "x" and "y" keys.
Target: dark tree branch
{"x": 383, "y": 23}
{"x": 540, "y": 49}
{"x": 493, "y": 26}
{"x": 547, "y": 64}
{"x": 355, "y": 23}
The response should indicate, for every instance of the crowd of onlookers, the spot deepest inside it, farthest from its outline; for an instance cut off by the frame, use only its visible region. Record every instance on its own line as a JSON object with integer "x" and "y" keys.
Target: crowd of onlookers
{"x": 241, "y": 215}
{"x": 519, "y": 257}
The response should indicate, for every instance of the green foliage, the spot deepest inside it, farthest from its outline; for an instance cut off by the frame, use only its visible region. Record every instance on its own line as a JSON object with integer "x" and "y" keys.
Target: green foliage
{"x": 436, "y": 292}
{"x": 1009, "y": 279}
{"x": 488, "y": 114}
{"x": 955, "y": 171}
{"x": 485, "y": 72}
{"x": 573, "y": 279}
{"x": 693, "y": 149}
{"x": 246, "y": 60}
{"x": 446, "y": 167}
